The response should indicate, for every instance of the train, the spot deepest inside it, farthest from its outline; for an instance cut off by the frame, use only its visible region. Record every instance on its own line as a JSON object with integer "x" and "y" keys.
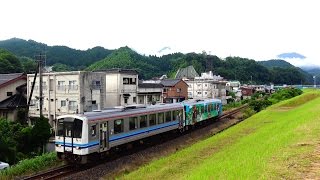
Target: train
{"x": 82, "y": 136}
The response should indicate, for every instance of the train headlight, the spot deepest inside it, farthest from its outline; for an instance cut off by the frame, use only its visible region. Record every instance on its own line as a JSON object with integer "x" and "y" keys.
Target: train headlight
{"x": 58, "y": 145}
{"x": 78, "y": 147}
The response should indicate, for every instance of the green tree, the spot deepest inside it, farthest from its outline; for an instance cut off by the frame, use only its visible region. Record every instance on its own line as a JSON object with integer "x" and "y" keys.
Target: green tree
{"x": 41, "y": 132}
{"x": 58, "y": 67}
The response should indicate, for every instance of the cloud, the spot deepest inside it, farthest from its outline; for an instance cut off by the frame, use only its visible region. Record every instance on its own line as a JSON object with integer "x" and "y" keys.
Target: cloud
{"x": 167, "y": 48}
{"x": 291, "y": 55}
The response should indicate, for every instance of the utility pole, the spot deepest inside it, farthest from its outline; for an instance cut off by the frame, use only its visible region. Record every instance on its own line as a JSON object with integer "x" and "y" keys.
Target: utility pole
{"x": 41, "y": 58}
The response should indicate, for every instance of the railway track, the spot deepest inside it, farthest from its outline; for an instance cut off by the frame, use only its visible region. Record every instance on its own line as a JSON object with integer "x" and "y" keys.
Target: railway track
{"x": 68, "y": 170}
{"x": 53, "y": 173}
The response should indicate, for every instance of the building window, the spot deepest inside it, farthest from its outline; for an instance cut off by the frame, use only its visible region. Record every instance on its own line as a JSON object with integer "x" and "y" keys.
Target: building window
{"x": 96, "y": 84}
{"x": 199, "y": 93}
{"x": 72, "y": 85}
{"x": 129, "y": 81}
{"x": 165, "y": 89}
{"x": 9, "y": 93}
{"x": 178, "y": 90}
{"x": 118, "y": 126}
{"x": 63, "y": 103}
{"x": 125, "y": 80}
{"x": 61, "y": 85}
{"x": 143, "y": 121}
{"x": 133, "y": 123}
{"x": 205, "y": 85}
{"x": 72, "y": 105}
{"x": 205, "y": 92}
{"x": 134, "y": 99}
{"x": 125, "y": 100}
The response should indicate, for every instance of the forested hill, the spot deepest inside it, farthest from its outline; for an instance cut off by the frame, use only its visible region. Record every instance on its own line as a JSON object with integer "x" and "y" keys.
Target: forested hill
{"x": 276, "y": 63}
{"x": 238, "y": 68}
{"x": 98, "y": 58}
{"x": 279, "y": 66}
{"x": 55, "y": 54}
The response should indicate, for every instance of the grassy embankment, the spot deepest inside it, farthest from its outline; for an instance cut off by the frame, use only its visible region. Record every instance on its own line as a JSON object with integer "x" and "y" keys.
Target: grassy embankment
{"x": 29, "y": 166}
{"x": 278, "y": 142}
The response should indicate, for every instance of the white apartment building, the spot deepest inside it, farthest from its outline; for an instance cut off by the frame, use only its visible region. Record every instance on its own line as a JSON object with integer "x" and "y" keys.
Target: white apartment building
{"x": 207, "y": 86}
{"x": 67, "y": 93}
{"x": 121, "y": 87}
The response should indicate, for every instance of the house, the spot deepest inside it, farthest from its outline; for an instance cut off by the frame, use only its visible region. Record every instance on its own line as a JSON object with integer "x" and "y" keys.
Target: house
{"x": 150, "y": 93}
{"x": 12, "y": 95}
{"x": 67, "y": 93}
{"x": 121, "y": 87}
{"x": 247, "y": 92}
{"x": 174, "y": 90}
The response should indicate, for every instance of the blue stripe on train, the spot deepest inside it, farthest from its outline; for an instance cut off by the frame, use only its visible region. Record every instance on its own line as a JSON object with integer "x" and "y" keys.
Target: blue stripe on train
{"x": 119, "y": 137}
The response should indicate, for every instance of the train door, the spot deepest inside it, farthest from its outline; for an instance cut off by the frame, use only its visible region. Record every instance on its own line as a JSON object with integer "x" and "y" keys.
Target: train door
{"x": 104, "y": 136}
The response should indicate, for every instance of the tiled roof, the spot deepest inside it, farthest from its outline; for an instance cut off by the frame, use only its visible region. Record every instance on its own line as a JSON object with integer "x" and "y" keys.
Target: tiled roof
{"x": 150, "y": 85}
{"x": 169, "y": 82}
{"x": 6, "y": 78}
{"x": 13, "y": 102}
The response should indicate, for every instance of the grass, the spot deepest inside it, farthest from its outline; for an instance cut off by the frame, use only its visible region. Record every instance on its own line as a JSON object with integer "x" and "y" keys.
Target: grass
{"x": 29, "y": 166}
{"x": 275, "y": 143}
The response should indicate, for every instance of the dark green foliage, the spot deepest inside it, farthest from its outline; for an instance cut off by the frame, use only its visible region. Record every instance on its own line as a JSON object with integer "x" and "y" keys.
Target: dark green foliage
{"x": 285, "y": 93}
{"x": 276, "y": 63}
{"x": 58, "y": 67}
{"x": 18, "y": 142}
{"x": 9, "y": 63}
{"x": 258, "y": 105}
{"x": 29, "y": 65}
{"x": 41, "y": 131}
{"x": 282, "y": 71}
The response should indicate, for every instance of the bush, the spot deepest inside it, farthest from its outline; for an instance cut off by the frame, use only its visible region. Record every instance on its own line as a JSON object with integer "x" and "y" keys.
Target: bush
{"x": 248, "y": 112}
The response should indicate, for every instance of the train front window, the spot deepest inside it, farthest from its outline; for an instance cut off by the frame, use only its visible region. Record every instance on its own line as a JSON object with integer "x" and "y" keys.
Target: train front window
{"x": 69, "y": 127}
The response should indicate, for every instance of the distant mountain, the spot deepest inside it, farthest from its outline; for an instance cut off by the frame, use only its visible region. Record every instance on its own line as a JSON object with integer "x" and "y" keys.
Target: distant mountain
{"x": 276, "y": 63}
{"x": 279, "y": 63}
{"x": 314, "y": 71}
{"x": 55, "y": 54}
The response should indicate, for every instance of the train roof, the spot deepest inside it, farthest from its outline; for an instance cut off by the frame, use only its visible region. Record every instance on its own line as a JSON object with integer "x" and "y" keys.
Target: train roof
{"x": 126, "y": 111}
{"x": 198, "y": 101}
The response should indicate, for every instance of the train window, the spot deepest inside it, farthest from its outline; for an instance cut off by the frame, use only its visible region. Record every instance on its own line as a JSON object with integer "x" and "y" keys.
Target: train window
{"x": 160, "y": 118}
{"x": 152, "y": 119}
{"x": 175, "y": 115}
{"x": 94, "y": 130}
{"x": 143, "y": 121}
{"x": 168, "y": 116}
{"x": 118, "y": 126}
{"x": 69, "y": 128}
{"x": 77, "y": 128}
{"x": 133, "y": 123}
{"x": 205, "y": 108}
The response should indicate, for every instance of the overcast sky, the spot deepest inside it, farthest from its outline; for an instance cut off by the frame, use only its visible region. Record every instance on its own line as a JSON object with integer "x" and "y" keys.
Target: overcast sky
{"x": 257, "y": 29}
